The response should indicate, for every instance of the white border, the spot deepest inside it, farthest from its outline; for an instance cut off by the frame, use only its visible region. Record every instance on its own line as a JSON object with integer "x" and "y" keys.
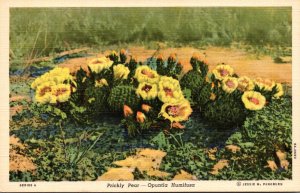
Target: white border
{"x": 288, "y": 185}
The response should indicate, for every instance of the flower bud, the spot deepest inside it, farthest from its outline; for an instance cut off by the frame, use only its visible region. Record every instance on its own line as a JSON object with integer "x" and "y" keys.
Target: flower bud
{"x": 146, "y": 108}
{"x": 160, "y": 57}
{"x": 212, "y": 96}
{"x": 140, "y": 117}
{"x": 177, "y": 125}
{"x": 123, "y": 51}
{"x": 127, "y": 111}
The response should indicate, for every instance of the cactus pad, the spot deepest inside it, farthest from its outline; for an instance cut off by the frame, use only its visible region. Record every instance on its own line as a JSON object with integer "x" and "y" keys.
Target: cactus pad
{"x": 123, "y": 95}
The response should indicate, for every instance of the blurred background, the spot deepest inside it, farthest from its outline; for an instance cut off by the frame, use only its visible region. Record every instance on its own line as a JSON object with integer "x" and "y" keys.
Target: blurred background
{"x": 36, "y": 32}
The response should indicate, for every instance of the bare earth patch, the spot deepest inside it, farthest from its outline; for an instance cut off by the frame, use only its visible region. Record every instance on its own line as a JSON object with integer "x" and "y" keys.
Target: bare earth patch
{"x": 243, "y": 62}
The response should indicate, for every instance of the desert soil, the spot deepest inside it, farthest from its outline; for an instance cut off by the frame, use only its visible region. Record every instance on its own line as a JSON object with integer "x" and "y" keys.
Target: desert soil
{"x": 244, "y": 63}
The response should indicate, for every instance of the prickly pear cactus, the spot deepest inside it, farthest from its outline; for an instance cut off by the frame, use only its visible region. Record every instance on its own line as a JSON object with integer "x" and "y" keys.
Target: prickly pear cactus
{"x": 123, "y": 95}
{"x": 97, "y": 99}
{"x": 204, "y": 96}
{"x": 192, "y": 80}
{"x": 225, "y": 112}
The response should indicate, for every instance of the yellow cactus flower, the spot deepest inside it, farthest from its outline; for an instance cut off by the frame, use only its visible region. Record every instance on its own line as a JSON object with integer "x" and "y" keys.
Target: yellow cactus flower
{"x": 146, "y": 74}
{"x": 245, "y": 84}
{"x": 146, "y": 108}
{"x": 253, "y": 100}
{"x": 62, "y": 92}
{"x": 99, "y": 64}
{"x": 113, "y": 52}
{"x": 100, "y": 83}
{"x": 223, "y": 71}
{"x": 229, "y": 84}
{"x": 59, "y": 71}
{"x": 176, "y": 112}
{"x": 265, "y": 84}
{"x": 280, "y": 91}
{"x": 60, "y": 79}
{"x": 43, "y": 92}
{"x": 73, "y": 89}
{"x": 121, "y": 71}
{"x": 127, "y": 111}
{"x": 147, "y": 91}
{"x": 58, "y": 75}
{"x": 140, "y": 117}
{"x": 38, "y": 81}
{"x": 169, "y": 90}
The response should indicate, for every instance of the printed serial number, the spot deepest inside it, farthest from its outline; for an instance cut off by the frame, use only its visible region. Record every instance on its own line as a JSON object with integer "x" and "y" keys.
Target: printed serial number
{"x": 27, "y": 185}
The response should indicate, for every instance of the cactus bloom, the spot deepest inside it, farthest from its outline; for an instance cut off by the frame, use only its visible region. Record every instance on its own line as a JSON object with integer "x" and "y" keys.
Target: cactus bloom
{"x": 169, "y": 90}
{"x": 57, "y": 75}
{"x": 229, "y": 84}
{"x": 146, "y": 74}
{"x": 146, "y": 108}
{"x": 100, "y": 83}
{"x": 245, "y": 84}
{"x": 127, "y": 111}
{"x": 38, "y": 81}
{"x": 222, "y": 71}
{"x": 140, "y": 117}
{"x": 121, "y": 71}
{"x": 279, "y": 90}
{"x": 113, "y": 52}
{"x": 265, "y": 84}
{"x": 61, "y": 92}
{"x": 44, "y": 92}
{"x": 98, "y": 64}
{"x": 147, "y": 91}
{"x": 253, "y": 100}
{"x": 176, "y": 112}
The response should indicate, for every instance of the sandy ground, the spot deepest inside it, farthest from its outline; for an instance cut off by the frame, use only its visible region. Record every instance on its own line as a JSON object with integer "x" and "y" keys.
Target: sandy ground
{"x": 243, "y": 62}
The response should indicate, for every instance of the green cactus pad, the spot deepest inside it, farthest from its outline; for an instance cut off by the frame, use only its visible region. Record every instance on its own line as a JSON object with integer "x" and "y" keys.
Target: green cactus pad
{"x": 192, "y": 80}
{"x": 123, "y": 95}
{"x": 96, "y": 99}
{"x": 226, "y": 111}
{"x": 203, "y": 96}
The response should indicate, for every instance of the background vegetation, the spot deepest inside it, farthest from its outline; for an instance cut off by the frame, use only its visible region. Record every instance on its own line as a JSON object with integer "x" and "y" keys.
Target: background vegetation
{"x": 36, "y": 32}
